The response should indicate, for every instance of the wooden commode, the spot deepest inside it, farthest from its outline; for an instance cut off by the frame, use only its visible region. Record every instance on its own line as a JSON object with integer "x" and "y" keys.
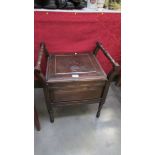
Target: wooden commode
{"x": 74, "y": 78}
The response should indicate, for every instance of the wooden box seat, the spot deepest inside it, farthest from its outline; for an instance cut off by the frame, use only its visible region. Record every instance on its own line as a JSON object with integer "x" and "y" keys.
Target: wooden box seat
{"x": 75, "y": 78}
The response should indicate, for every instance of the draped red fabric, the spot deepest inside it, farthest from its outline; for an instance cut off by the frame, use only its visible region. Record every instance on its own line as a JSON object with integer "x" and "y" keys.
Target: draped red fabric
{"x": 78, "y": 32}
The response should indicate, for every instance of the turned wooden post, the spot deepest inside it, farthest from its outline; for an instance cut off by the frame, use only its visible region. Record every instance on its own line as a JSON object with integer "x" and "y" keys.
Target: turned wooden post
{"x": 41, "y": 77}
{"x": 110, "y": 76}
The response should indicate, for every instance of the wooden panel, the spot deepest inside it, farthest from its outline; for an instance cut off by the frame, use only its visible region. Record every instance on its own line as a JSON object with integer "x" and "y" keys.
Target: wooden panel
{"x": 75, "y": 93}
{"x": 77, "y": 90}
{"x": 73, "y": 84}
{"x": 77, "y": 63}
{"x": 73, "y": 67}
{"x": 78, "y": 102}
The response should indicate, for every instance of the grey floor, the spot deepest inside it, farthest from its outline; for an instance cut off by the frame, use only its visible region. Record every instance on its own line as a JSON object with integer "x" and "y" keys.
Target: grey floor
{"x": 76, "y": 130}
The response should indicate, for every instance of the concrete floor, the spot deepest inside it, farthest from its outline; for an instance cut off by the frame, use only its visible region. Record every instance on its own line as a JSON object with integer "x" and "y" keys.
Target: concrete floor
{"x": 76, "y": 130}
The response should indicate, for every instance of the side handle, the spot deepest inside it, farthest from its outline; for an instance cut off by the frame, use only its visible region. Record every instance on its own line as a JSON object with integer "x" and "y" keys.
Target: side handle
{"x": 115, "y": 65}
{"x": 37, "y": 69}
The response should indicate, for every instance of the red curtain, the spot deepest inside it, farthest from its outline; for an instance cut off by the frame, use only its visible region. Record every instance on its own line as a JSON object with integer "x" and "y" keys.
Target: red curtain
{"x": 78, "y": 32}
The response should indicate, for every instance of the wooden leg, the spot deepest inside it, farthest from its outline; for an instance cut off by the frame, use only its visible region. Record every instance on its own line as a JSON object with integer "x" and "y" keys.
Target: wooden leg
{"x": 118, "y": 82}
{"x": 36, "y": 119}
{"x": 103, "y": 96}
{"x": 48, "y": 105}
{"x": 51, "y": 113}
{"x": 99, "y": 109}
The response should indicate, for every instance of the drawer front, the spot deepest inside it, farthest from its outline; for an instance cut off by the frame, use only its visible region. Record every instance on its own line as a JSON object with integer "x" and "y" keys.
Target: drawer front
{"x": 73, "y": 92}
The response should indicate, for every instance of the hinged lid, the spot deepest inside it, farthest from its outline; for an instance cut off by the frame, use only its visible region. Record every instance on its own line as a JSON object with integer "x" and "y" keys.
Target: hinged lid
{"x": 74, "y": 67}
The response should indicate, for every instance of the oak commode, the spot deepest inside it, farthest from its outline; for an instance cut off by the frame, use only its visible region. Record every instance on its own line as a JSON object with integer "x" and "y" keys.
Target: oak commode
{"x": 74, "y": 78}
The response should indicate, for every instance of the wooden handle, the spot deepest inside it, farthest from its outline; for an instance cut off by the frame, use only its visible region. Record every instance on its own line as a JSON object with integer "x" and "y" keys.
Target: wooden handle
{"x": 37, "y": 69}
{"x": 113, "y": 62}
{"x": 115, "y": 65}
{"x": 40, "y": 54}
{"x": 42, "y": 51}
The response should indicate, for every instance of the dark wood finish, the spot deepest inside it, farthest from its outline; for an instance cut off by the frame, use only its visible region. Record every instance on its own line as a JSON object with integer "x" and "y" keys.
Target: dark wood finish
{"x": 65, "y": 67}
{"x": 36, "y": 119}
{"x": 110, "y": 76}
{"x": 37, "y": 69}
{"x": 75, "y": 93}
{"x": 74, "y": 78}
{"x": 118, "y": 81}
{"x": 38, "y": 84}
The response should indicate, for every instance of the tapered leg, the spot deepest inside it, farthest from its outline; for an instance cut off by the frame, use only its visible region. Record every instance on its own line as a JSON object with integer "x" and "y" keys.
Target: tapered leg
{"x": 48, "y": 105}
{"x": 99, "y": 109}
{"x": 118, "y": 82}
{"x": 51, "y": 113}
{"x": 103, "y": 98}
{"x": 36, "y": 119}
